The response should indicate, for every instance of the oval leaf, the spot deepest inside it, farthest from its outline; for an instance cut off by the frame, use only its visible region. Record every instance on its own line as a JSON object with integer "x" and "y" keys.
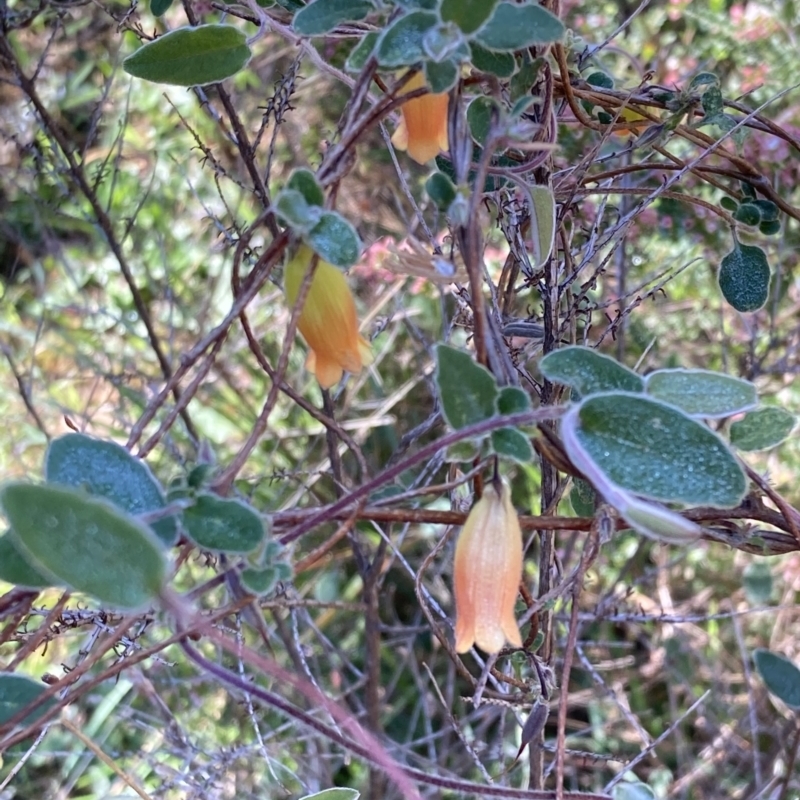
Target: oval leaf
{"x": 15, "y": 569}
{"x": 108, "y": 470}
{"x": 227, "y": 526}
{"x": 402, "y": 42}
{"x": 761, "y": 429}
{"x": 780, "y": 675}
{"x": 441, "y": 77}
{"x": 515, "y": 27}
{"x": 335, "y": 240}
{"x": 322, "y": 16}
{"x": 511, "y": 443}
{"x": 757, "y": 583}
{"x": 333, "y": 794}
{"x": 467, "y": 389}
{"x": 469, "y": 15}
{"x": 17, "y": 692}
{"x": 588, "y": 371}
{"x": 360, "y": 53}
{"x": 441, "y": 190}
{"x": 744, "y": 277}
{"x": 543, "y": 225}
{"x": 657, "y": 451}
{"x": 304, "y": 181}
{"x": 502, "y": 65}
{"x": 292, "y": 207}
{"x": 85, "y": 543}
{"x": 191, "y": 56}
{"x": 702, "y": 393}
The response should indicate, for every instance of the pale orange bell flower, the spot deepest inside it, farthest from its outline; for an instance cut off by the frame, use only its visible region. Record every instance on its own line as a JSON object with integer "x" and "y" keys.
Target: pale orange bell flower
{"x": 423, "y": 129}
{"x": 487, "y": 572}
{"x": 328, "y": 320}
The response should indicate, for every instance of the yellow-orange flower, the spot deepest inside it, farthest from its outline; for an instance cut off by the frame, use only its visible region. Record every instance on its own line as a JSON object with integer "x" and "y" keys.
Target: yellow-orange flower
{"x": 487, "y": 573}
{"x": 328, "y": 320}
{"x": 423, "y": 130}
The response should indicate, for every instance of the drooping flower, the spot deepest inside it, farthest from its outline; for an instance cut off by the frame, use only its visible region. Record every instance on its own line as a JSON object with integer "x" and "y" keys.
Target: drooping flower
{"x": 328, "y": 320}
{"x": 487, "y": 572}
{"x": 423, "y": 130}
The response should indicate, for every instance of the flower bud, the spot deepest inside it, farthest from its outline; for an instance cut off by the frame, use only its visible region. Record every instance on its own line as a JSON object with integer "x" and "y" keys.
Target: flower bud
{"x": 328, "y": 320}
{"x": 423, "y": 130}
{"x": 487, "y": 572}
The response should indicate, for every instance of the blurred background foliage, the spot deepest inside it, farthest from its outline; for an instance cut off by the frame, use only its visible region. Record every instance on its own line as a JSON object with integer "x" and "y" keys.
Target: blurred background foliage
{"x": 661, "y": 625}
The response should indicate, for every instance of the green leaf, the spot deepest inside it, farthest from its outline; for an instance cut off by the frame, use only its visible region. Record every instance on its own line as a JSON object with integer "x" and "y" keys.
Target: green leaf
{"x": 600, "y": 79}
{"x": 633, "y": 791}
{"x": 17, "y": 692}
{"x": 15, "y": 569}
{"x": 108, "y": 470}
{"x": 191, "y": 56}
{"x": 469, "y": 15}
{"x": 501, "y": 65}
{"x": 582, "y": 498}
{"x": 511, "y": 443}
{"x": 522, "y": 83}
{"x": 655, "y": 450}
{"x": 728, "y": 203}
{"x": 515, "y": 27}
{"x": 323, "y": 16}
{"x": 758, "y": 583}
{"x": 748, "y": 214}
{"x": 402, "y": 42}
{"x": 512, "y": 400}
{"x": 333, "y": 794}
{"x": 744, "y": 277}
{"x": 293, "y": 208}
{"x": 227, "y": 526}
{"x": 701, "y": 393}
{"x": 335, "y": 240}
{"x": 467, "y": 389}
{"x": 441, "y": 77}
{"x": 360, "y": 53}
{"x": 543, "y": 224}
{"x": 85, "y": 543}
{"x": 159, "y": 7}
{"x": 479, "y": 117}
{"x": 780, "y": 675}
{"x": 703, "y": 80}
{"x": 304, "y": 181}
{"x": 441, "y": 190}
{"x": 444, "y": 41}
{"x": 263, "y": 581}
{"x": 768, "y": 210}
{"x": 770, "y": 228}
{"x": 712, "y": 102}
{"x": 588, "y": 371}
{"x": 761, "y": 429}
{"x": 464, "y": 452}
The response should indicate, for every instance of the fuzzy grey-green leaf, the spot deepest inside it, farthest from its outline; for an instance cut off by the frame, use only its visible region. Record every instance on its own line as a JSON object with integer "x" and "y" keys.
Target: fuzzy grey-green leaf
{"x": 744, "y": 277}
{"x": 702, "y": 393}
{"x": 84, "y": 543}
{"x": 588, "y": 371}
{"x": 14, "y": 567}
{"x": 335, "y": 240}
{"x": 514, "y": 27}
{"x": 402, "y": 42}
{"x": 657, "y": 451}
{"x": 467, "y": 389}
{"x": 191, "y": 56}
{"x": 763, "y": 428}
{"x": 323, "y": 16}
{"x": 227, "y": 526}
{"x": 106, "y": 469}
{"x": 469, "y": 15}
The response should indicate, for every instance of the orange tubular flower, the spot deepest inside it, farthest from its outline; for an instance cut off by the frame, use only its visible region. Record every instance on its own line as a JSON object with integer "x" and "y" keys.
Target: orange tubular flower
{"x": 328, "y": 320}
{"x": 423, "y": 131}
{"x": 487, "y": 573}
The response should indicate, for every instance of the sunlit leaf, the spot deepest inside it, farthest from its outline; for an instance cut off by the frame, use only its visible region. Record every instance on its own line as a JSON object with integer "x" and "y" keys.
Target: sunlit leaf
{"x": 514, "y": 27}
{"x": 744, "y": 277}
{"x": 335, "y": 240}
{"x": 702, "y": 393}
{"x": 108, "y": 470}
{"x": 322, "y": 16}
{"x": 85, "y": 543}
{"x": 763, "y": 428}
{"x": 227, "y": 526}
{"x": 588, "y": 371}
